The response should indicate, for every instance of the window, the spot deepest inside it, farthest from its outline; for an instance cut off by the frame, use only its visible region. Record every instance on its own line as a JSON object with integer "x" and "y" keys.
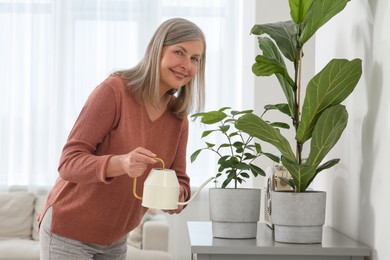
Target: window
{"x": 55, "y": 52}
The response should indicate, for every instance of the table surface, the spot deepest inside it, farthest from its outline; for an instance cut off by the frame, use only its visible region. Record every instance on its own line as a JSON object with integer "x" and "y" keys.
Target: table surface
{"x": 333, "y": 243}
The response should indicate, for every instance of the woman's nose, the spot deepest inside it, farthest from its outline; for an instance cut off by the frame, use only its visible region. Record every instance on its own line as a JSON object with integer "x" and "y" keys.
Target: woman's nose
{"x": 186, "y": 64}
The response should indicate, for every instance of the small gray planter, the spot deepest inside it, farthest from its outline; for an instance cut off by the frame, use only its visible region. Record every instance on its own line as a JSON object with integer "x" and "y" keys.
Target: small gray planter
{"x": 234, "y": 212}
{"x": 298, "y": 217}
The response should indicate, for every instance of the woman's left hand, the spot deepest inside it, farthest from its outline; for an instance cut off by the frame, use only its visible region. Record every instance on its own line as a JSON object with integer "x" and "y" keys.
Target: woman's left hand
{"x": 180, "y": 207}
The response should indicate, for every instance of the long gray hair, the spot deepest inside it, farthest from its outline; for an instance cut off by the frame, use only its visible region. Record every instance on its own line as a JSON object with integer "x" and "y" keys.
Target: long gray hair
{"x": 143, "y": 80}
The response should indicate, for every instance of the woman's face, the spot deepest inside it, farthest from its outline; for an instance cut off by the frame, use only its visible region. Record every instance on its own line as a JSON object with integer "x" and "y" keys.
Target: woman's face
{"x": 179, "y": 64}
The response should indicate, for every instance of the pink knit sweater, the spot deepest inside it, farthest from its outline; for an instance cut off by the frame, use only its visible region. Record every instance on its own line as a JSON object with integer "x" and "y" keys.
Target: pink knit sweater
{"x": 86, "y": 206}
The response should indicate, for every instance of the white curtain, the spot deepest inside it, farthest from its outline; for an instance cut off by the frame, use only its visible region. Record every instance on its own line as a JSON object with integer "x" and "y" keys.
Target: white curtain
{"x": 54, "y": 52}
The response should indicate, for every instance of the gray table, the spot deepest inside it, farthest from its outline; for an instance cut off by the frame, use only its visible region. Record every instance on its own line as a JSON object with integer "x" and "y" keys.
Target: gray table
{"x": 335, "y": 246}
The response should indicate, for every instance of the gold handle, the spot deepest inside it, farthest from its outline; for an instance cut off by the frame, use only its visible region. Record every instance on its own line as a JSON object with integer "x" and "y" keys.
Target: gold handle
{"x": 135, "y": 180}
{"x": 161, "y": 161}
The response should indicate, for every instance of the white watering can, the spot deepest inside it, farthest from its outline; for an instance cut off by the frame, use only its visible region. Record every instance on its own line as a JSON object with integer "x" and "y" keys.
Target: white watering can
{"x": 162, "y": 189}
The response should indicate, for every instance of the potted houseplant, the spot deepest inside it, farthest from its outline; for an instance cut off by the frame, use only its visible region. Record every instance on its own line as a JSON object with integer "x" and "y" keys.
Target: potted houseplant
{"x": 318, "y": 124}
{"x": 234, "y": 211}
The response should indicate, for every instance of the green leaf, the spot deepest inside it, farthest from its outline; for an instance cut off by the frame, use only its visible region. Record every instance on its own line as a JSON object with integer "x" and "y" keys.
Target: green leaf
{"x": 256, "y": 170}
{"x": 284, "y": 34}
{"x": 280, "y": 125}
{"x": 244, "y": 175}
{"x": 232, "y": 174}
{"x": 299, "y": 9}
{"x": 213, "y": 117}
{"x": 327, "y": 132}
{"x": 257, "y": 127}
{"x": 233, "y": 134}
{"x": 238, "y": 144}
{"x": 272, "y": 157}
{"x": 223, "y": 159}
{"x": 301, "y": 173}
{"x": 267, "y": 67}
{"x": 324, "y": 166}
{"x": 239, "y": 150}
{"x": 327, "y": 165}
{"x": 194, "y": 155}
{"x": 223, "y": 109}
{"x": 235, "y": 113}
{"x": 231, "y": 120}
{"x": 329, "y": 87}
{"x": 226, "y": 183}
{"x": 248, "y": 156}
{"x": 289, "y": 182}
{"x": 272, "y": 52}
{"x": 207, "y": 132}
{"x": 224, "y": 128}
{"x": 243, "y": 166}
{"x": 210, "y": 145}
{"x": 284, "y": 108}
{"x": 321, "y": 11}
{"x": 224, "y": 145}
{"x": 258, "y": 147}
{"x": 226, "y": 164}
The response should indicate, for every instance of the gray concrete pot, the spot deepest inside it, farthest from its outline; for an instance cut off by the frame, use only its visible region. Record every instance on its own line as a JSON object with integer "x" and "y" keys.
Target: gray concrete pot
{"x": 234, "y": 212}
{"x": 298, "y": 217}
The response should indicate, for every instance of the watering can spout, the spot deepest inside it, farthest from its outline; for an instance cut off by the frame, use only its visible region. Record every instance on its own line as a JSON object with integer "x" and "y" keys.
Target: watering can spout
{"x": 197, "y": 191}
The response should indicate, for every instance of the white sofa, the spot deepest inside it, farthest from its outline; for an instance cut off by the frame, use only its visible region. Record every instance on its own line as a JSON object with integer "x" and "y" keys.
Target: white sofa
{"x": 19, "y": 231}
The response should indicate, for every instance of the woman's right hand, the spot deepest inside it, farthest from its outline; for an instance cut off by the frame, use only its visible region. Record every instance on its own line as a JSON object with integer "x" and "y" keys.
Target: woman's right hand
{"x": 133, "y": 163}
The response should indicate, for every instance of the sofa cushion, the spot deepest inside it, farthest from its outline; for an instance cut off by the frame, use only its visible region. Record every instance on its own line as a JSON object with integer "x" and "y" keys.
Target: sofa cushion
{"x": 19, "y": 249}
{"x": 135, "y": 253}
{"x": 16, "y": 214}
{"x": 38, "y": 207}
{"x": 135, "y": 236}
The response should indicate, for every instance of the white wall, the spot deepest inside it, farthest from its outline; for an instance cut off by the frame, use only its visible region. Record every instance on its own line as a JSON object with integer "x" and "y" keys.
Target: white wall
{"x": 357, "y": 187}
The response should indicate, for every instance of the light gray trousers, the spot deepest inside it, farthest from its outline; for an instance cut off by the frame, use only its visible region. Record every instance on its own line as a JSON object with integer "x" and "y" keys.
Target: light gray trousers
{"x": 55, "y": 247}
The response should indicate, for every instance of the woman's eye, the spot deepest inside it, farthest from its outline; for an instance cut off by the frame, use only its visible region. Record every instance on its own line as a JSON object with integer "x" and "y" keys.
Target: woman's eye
{"x": 195, "y": 59}
{"x": 179, "y": 52}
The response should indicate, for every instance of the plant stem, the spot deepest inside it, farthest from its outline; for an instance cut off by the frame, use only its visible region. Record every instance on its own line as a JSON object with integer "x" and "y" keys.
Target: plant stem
{"x": 298, "y": 105}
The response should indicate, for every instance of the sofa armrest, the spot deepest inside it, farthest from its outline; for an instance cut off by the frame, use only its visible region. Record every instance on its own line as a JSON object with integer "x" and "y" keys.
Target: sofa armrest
{"x": 155, "y": 235}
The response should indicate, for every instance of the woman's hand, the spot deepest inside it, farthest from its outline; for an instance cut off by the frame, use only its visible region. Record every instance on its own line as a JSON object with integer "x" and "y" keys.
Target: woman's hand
{"x": 180, "y": 207}
{"x": 133, "y": 163}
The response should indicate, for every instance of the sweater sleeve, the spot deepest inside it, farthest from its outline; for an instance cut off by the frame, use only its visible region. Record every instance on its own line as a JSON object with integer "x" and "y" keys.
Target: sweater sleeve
{"x": 179, "y": 163}
{"x": 78, "y": 162}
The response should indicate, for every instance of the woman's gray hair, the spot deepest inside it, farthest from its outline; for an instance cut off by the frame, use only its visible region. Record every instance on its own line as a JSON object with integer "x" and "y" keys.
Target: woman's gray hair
{"x": 143, "y": 80}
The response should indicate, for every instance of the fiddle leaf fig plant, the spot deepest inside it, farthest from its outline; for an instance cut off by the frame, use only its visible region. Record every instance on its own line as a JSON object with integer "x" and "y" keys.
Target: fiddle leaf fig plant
{"x": 237, "y": 153}
{"x": 322, "y": 118}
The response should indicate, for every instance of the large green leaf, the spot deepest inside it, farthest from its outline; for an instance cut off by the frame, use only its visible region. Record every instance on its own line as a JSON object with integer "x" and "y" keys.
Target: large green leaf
{"x": 322, "y": 167}
{"x": 272, "y": 52}
{"x": 284, "y": 34}
{"x": 321, "y": 11}
{"x": 257, "y": 127}
{"x": 327, "y": 165}
{"x": 267, "y": 67}
{"x": 326, "y": 133}
{"x": 298, "y": 9}
{"x": 328, "y": 88}
{"x": 302, "y": 174}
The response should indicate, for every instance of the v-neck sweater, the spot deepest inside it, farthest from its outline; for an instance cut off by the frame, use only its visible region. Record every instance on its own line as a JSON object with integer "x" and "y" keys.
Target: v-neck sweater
{"x": 90, "y": 208}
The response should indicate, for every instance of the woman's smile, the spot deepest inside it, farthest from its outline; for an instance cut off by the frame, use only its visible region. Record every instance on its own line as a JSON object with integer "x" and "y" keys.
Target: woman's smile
{"x": 179, "y": 64}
